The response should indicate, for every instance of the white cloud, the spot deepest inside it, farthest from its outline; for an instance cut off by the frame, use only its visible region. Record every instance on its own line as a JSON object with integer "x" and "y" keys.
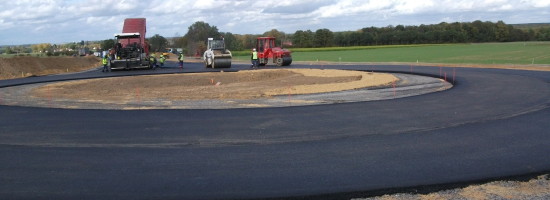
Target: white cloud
{"x": 211, "y": 4}
{"x": 26, "y": 21}
{"x": 539, "y": 3}
{"x": 5, "y": 25}
{"x": 173, "y": 8}
{"x": 410, "y": 7}
{"x": 27, "y": 10}
{"x": 4, "y": 14}
{"x": 126, "y": 5}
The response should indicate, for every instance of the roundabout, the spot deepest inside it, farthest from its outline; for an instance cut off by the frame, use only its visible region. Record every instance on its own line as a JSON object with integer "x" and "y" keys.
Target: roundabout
{"x": 492, "y": 123}
{"x": 215, "y": 90}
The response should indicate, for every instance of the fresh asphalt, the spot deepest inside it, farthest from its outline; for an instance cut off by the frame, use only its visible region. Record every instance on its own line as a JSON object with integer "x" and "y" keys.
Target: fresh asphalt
{"x": 491, "y": 124}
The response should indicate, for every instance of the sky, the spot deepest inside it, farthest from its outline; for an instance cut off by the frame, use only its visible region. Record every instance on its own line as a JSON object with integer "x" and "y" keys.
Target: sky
{"x": 57, "y": 21}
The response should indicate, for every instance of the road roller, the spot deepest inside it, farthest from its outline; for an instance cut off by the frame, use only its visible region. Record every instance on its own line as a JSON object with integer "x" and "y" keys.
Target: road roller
{"x": 267, "y": 50}
{"x": 216, "y": 55}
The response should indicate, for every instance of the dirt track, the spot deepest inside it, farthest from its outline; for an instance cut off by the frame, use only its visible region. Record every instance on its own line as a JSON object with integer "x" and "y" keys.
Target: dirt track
{"x": 229, "y": 85}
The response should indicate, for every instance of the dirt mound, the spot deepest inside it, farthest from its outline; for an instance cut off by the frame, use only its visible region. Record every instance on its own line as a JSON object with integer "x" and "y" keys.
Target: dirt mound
{"x": 24, "y": 66}
{"x": 226, "y": 85}
{"x": 536, "y": 188}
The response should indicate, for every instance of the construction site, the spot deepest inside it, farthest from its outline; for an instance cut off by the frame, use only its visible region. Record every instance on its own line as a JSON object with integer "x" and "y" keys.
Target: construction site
{"x": 213, "y": 127}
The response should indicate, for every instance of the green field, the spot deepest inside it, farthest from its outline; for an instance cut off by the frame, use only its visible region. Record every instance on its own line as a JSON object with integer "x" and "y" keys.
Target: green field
{"x": 485, "y": 53}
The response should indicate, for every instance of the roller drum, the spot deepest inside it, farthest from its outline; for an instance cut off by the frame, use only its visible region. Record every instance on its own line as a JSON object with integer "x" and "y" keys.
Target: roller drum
{"x": 287, "y": 61}
{"x": 221, "y": 62}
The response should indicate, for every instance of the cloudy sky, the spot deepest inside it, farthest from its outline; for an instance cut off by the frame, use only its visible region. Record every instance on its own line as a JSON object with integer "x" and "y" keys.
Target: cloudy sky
{"x": 56, "y": 21}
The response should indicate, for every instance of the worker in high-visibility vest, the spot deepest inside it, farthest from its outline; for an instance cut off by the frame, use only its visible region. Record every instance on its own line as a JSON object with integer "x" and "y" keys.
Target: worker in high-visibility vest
{"x": 254, "y": 59}
{"x": 153, "y": 61}
{"x": 180, "y": 59}
{"x": 161, "y": 60}
{"x": 105, "y": 62}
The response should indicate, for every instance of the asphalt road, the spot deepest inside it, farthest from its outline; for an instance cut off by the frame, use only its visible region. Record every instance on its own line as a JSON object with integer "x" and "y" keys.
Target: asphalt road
{"x": 492, "y": 123}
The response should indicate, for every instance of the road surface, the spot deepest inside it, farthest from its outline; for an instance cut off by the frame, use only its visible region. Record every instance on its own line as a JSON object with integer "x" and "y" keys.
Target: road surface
{"x": 492, "y": 123}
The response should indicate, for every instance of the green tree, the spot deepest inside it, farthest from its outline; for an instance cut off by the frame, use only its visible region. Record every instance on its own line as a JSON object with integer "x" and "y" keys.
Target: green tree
{"x": 197, "y": 35}
{"x": 502, "y": 33}
{"x": 158, "y": 43}
{"x": 9, "y": 50}
{"x": 323, "y": 38}
{"x": 303, "y": 38}
{"x": 231, "y": 42}
{"x": 248, "y": 41}
{"x": 72, "y": 46}
{"x": 543, "y": 34}
{"x": 180, "y": 42}
{"x": 107, "y": 44}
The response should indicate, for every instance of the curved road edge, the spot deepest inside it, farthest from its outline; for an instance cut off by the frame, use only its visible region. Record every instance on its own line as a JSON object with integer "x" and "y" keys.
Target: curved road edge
{"x": 492, "y": 124}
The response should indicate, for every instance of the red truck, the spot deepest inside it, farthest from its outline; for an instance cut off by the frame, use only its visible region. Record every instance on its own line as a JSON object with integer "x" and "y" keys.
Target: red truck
{"x": 131, "y": 50}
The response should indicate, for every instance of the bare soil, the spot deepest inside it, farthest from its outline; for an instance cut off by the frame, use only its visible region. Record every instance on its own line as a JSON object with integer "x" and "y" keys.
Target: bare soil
{"x": 536, "y": 188}
{"x": 25, "y": 66}
{"x": 225, "y": 85}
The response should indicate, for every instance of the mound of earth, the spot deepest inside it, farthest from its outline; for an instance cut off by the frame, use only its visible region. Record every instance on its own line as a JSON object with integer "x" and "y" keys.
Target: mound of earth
{"x": 535, "y": 188}
{"x": 225, "y": 85}
{"x": 24, "y": 66}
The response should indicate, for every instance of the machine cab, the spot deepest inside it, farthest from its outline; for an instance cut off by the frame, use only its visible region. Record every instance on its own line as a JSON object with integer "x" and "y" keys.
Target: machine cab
{"x": 264, "y": 43}
{"x": 216, "y": 44}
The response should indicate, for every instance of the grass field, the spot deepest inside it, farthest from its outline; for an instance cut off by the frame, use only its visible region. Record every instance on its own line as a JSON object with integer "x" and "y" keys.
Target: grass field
{"x": 520, "y": 53}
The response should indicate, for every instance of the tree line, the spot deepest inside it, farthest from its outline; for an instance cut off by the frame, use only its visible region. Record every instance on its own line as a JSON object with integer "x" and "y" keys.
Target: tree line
{"x": 458, "y": 32}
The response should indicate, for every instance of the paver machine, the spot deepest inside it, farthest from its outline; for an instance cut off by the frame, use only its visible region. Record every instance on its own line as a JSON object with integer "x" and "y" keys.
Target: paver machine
{"x": 131, "y": 49}
{"x": 267, "y": 50}
{"x": 216, "y": 55}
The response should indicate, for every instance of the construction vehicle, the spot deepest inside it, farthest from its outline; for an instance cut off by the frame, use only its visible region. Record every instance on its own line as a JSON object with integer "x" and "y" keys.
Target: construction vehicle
{"x": 131, "y": 50}
{"x": 267, "y": 50}
{"x": 166, "y": 55}
{"x": 83, "y": 51}
{"x": 216, "y": 55}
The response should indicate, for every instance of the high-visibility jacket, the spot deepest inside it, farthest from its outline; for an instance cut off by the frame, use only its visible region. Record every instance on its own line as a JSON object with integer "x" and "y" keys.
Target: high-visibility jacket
{"x": 162, "y": 59}
{"x": 181, "y": 57}
{"x": 254, "y": 55}
{"x": 105, "y": 60}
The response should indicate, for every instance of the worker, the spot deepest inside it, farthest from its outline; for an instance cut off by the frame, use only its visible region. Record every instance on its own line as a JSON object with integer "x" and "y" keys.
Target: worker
{"x": 180, "y": 59}
{"x": 152, "y": 61}
{"x": 105, "y": 62}
{"x": 254, "y": 59}
{"x": 112, "y": 53}
{"x": 161, "y": 60}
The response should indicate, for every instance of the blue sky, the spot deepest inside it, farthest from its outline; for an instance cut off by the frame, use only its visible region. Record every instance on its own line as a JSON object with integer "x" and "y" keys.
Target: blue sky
{"x": 56, "y": 21}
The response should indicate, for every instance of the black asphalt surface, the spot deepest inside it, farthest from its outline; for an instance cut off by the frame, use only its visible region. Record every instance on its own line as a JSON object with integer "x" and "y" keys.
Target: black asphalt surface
{"x": 492, "y": 123}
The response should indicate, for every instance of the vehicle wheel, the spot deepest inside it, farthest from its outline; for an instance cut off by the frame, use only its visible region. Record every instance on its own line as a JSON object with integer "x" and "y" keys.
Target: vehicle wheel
{"x": 279, "y": 61}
